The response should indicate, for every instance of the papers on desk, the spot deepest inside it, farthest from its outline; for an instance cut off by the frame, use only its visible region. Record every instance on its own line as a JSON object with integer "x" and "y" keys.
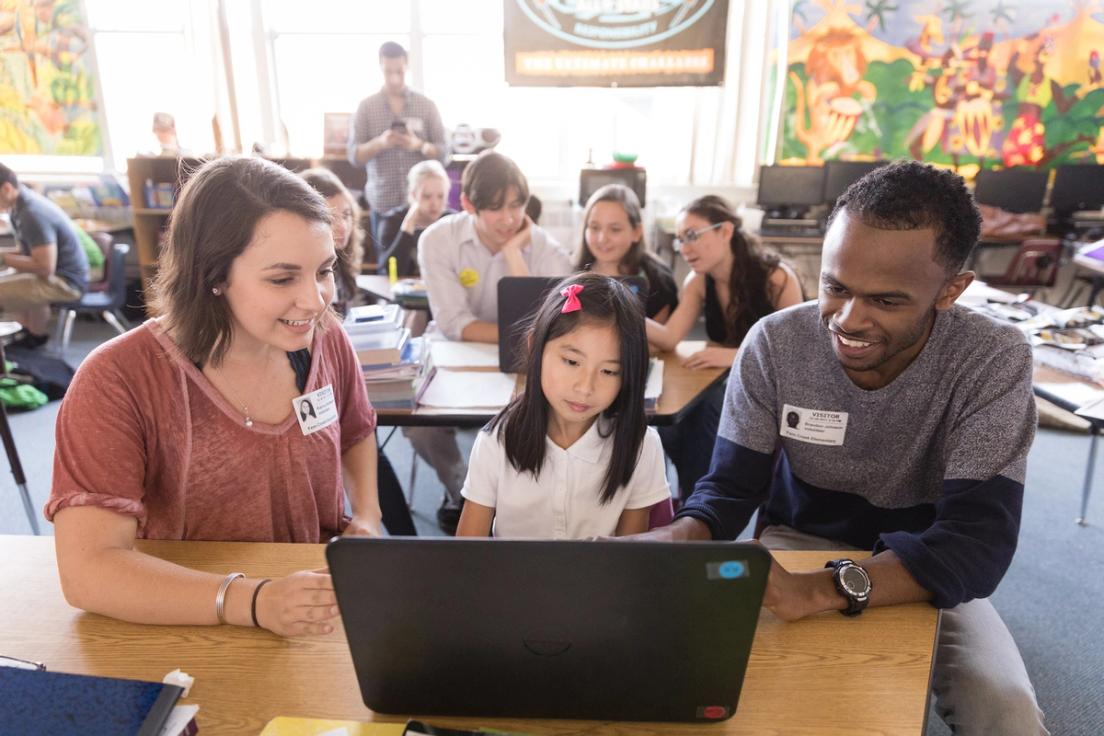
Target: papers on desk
{"x": 469, "y": 390}
{"x": 452, "y": 354}
{"x": 286, "y": 726}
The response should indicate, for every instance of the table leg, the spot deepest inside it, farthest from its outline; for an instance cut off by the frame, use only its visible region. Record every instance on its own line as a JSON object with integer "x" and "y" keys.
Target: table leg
{"x": 17, "y": 468}
{"x": 1086, "y": 489}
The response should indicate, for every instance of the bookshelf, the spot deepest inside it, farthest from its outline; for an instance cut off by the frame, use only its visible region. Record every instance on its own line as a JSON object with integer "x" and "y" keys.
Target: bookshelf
{"x": 145, "y": 174}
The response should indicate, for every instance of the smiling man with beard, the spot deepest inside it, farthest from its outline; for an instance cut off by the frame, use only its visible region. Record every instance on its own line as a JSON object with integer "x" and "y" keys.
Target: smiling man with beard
{"x": 915, "y": 417}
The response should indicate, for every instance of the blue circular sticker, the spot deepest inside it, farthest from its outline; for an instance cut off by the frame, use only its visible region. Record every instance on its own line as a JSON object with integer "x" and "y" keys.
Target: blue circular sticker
{"x": 732, "y": 569}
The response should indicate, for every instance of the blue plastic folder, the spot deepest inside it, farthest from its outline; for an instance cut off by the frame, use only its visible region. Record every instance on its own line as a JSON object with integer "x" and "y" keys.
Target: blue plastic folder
{"x": 34, "y": 701}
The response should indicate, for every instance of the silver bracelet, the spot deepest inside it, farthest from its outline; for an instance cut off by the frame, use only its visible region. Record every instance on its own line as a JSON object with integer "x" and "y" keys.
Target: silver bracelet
{"x": 220, "y": 597}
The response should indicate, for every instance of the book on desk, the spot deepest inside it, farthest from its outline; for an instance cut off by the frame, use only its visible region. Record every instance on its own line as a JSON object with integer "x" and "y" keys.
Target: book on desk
{"x": 57, "y": 703}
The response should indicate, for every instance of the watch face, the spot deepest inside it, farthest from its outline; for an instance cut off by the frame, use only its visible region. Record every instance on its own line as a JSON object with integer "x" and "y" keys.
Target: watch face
{"x": 854, "y": 580}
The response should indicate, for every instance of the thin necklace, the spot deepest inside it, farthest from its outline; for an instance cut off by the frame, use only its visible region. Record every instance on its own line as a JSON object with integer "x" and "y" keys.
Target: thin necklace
{"x": 244, "y": 409}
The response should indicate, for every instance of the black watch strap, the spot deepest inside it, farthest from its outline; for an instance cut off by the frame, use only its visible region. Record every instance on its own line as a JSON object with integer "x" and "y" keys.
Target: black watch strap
{"x": 856, "y": 600}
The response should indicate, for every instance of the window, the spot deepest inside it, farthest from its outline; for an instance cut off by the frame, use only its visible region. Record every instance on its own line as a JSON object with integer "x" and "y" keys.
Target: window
{"x": 152, "y": 57}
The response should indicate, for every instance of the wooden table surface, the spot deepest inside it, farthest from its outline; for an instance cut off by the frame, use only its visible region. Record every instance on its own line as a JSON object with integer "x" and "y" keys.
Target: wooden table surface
{"x": 682, "y": 387}
{"x": 824, "y": 675}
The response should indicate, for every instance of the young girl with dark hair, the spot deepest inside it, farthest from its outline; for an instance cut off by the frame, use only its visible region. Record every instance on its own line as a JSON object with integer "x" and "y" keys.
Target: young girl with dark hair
{"x": 345, "y": 216}
{"x": 735, "y": 283}
{"x": 613, "y": 244}
{"x": 572, "y": 457}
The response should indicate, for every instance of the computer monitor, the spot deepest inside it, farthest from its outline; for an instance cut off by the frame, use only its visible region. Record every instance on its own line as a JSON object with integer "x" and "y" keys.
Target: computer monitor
{"x": 791, "y": 187}
{"x": 1077, "y": 187}
{"x": 591, "y": 180}
{"x": 1013, "y": 190}
{"x": 838, "y": 175}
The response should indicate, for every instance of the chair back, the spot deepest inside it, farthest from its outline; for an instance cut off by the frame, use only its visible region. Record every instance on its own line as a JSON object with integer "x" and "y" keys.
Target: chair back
{"x": 115, "y": 275}
{"x": 1035, "y": 264}
{"x": 105, "y": 243}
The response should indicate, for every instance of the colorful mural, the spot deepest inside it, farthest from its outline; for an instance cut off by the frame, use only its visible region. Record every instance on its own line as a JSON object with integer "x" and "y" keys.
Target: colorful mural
{"x": 965, "y": 83}
{"x": 47, "y": 93}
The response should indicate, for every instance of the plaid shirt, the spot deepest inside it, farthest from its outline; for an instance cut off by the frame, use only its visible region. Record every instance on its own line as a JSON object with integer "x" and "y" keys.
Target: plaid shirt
{"x": 386, "y": 187}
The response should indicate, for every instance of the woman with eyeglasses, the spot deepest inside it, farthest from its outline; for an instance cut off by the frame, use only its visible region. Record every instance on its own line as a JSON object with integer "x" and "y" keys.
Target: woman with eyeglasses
{"x": 735, "y": 283}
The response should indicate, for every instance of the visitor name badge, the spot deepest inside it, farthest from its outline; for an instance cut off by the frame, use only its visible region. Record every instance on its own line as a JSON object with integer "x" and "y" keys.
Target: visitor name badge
{"x": 316, "y": 410}
{"x": 813, "y": 425}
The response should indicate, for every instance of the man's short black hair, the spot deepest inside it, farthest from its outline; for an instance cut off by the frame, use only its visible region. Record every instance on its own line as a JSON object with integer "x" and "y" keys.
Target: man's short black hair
{"x": 486, "y": 180}
{"x": 7, "y": 176}
{"x": 392, "y": 50}
{"x": 909, "y": 195}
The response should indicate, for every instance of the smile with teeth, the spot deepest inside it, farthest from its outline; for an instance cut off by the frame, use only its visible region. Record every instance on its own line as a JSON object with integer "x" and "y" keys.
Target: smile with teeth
{"x": 296, "y": 322}
{"x": 853, "y": 343}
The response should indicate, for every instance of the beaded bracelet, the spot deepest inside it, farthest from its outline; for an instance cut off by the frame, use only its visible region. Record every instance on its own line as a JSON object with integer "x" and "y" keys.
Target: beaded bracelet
{"x": 220, "y": 598}
{"x": 253, "y": 605}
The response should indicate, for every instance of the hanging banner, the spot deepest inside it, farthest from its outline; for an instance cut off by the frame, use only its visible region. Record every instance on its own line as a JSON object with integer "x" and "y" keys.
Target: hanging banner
{"x": 48, "y": 103}
{"x": 615, "y": 43}
{"x": 970, "y": 85}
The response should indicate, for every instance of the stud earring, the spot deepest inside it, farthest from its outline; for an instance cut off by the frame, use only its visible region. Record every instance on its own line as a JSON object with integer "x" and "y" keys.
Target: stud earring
{"x": 215, "y": 290}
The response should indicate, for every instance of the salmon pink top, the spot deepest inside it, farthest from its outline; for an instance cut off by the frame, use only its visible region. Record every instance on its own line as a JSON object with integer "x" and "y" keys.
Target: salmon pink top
{"x": 142, "y": 432}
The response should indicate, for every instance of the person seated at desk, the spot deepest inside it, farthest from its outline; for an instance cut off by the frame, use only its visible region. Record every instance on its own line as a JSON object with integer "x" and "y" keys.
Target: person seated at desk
{"x": 613, "y": 244}
{"x": 887, "y": 418}
{"x": 400, "y": 228}
{"x": 735, "y": 283}
{"x": 51, "y": 265}
{"x": 572, "y": 456}
{"x": 348, "y": 239}
{"x": 462, "y": 257}
{"x": 188, "y": 427}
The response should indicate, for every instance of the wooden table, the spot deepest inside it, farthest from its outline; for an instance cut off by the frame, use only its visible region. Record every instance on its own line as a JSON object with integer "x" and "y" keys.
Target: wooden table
{"x": 682, "y": 389}
{"x": 825, "y": 675}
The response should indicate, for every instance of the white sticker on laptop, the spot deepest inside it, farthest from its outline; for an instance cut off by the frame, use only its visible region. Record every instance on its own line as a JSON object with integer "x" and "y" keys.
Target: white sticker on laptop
{"x": 813, "y": 425}
{"x": 316, "y": 410}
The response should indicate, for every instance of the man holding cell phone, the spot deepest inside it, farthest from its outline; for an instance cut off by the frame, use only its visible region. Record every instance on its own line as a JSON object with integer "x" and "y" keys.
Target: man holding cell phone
{"x": 391, "y": 131}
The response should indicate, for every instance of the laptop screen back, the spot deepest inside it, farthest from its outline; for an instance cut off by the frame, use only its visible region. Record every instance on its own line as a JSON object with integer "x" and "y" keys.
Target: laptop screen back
{"x": 597, "y": 630}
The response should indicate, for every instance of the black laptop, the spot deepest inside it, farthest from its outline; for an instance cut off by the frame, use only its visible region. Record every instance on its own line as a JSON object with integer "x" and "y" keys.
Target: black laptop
{"x": 519, "y": 297}
{"x": 634, "y": 631}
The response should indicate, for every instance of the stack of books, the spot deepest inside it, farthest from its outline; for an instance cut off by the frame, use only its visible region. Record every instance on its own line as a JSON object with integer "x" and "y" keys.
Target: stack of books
{"x": 393, "y": 364}
{"x": 1071, "y": 340}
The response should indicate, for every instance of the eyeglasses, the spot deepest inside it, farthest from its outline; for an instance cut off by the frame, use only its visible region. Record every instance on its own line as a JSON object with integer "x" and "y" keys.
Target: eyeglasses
{"x": 691, "y": 236}
{"x": 22, "y": 664}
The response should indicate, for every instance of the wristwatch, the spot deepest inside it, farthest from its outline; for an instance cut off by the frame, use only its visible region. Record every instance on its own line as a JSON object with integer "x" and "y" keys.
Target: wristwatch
{"x": 853, "y": 583}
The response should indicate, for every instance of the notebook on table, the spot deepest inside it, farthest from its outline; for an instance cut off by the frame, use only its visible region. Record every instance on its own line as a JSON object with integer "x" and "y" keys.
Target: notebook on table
{"x": 633, "y": 631}
{"x": 519, "y": 297}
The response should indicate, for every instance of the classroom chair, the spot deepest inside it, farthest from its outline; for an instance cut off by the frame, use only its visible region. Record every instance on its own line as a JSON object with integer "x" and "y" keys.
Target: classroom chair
{"x": 105, "y": 297}
{"x": 1034, "y": 266}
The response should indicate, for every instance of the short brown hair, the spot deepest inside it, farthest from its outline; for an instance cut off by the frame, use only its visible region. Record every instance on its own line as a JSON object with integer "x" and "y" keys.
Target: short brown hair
{"x": 488, "y": 177}
{"x": 211, "y": 224}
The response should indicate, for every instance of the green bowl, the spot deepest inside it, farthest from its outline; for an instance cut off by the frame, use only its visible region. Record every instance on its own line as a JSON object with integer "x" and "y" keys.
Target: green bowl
{"x": 625, "y": 158}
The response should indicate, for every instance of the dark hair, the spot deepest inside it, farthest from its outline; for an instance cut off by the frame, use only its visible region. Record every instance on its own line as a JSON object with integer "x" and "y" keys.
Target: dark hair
{"x": 7, "y": 176}
{"x": 638, "y": 257}
{"x": 522, "y": 426}
{"x": 749, "y": 292}
{"x": 326, "y": 183}
{"x": 391, "y": 50}
{"x": 487, "y": 178}
{"x": 909, "y": 195}
{"x": 212, "y": 222}
{"x": 533, "y": 208}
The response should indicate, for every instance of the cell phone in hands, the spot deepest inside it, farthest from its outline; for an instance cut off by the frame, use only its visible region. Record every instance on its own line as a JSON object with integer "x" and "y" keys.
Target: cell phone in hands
{"x": 399, "y": 126}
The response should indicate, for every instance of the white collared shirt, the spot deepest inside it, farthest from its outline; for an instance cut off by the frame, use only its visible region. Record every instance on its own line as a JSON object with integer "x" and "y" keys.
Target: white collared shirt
{"x": 564, "y": 503}
{"x": 461, "y": 275}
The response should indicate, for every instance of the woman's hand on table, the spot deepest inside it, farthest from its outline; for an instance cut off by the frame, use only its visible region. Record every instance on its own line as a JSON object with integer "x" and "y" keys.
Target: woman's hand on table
{"x": 301, "y": 604}
{"x": 711, "y": 357}
{"x": 366, "y": 526}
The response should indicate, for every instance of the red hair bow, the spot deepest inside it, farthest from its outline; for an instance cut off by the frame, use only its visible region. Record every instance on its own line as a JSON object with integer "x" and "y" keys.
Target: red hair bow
{"x": 571, "y": 291}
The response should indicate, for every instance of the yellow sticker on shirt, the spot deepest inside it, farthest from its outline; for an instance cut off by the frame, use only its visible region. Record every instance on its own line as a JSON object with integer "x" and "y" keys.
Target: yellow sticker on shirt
{"x": 469, "y": 277}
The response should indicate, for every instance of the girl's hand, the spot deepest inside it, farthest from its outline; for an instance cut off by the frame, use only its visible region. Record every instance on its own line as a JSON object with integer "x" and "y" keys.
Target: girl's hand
{"x": 711, "y": 357}
{"x": 364, "y": 526}
{"x": 302, "y": 604}
{"x": 410, "y": 221}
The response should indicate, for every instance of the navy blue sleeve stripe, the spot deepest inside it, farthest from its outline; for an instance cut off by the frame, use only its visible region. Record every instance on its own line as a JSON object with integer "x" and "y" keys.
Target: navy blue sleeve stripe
{"x": 966, "y": 552}
{"x": 846, "y": 517}
{"x": 726, "y": 497}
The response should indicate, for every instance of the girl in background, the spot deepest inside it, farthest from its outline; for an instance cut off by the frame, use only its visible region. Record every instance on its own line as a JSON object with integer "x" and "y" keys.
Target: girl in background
{"x": 734, "y": 283}
{"x": 427, "y": 202}
{"x": 348, "y": 239}
{"x": 613, "y": 244}
{"x": 572, "y": 456}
